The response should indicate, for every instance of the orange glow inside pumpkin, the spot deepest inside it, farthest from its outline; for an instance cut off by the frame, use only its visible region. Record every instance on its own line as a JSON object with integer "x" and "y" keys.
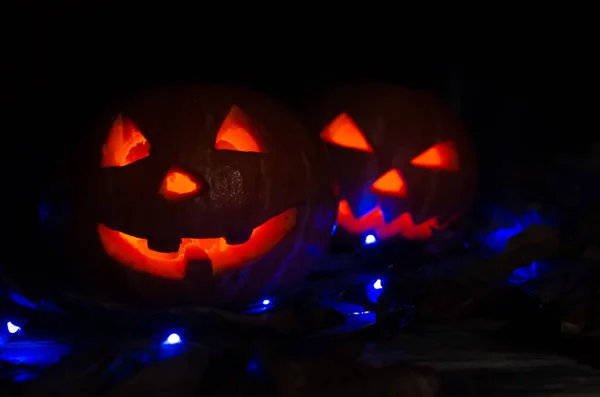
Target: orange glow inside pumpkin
{"x": 125, "y": 144}
{"x": 374, "y": 222}
{"x": 441, "y": 156}
{"x": 178, "y": 185}
{"x": 343, "y": 131}
{"x": 134, "y": 253}
{"x": 390, "y": 184}
{"x": 237, "y": 133}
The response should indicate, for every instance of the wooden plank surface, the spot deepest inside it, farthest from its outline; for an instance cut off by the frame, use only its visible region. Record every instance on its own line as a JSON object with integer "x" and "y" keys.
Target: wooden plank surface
{"x": 470, "y": 363}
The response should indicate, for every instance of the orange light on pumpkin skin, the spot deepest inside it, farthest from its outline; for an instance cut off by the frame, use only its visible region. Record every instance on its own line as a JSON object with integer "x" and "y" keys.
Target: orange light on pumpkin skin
{"x": 442, "y": 156}
{"x": 134, "y": 253}
{"x": 178, "y": 185}
{"x": 373, "y": 221}
{"x": 125, "y": 144}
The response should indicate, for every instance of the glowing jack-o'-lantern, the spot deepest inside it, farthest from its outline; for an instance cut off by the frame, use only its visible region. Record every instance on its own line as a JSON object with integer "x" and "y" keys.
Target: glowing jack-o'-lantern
{"x": 404, "y": 164}
{"x": 209, "y": 195}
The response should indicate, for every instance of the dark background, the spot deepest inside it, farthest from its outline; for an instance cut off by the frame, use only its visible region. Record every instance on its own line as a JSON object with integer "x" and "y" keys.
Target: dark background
{"x": 526, "y": 98}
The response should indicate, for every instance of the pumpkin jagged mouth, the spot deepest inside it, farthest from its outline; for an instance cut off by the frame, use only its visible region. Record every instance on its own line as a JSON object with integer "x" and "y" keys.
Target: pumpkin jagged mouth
{"x": 134, "y": 253}
{"x": 374, "y": 221}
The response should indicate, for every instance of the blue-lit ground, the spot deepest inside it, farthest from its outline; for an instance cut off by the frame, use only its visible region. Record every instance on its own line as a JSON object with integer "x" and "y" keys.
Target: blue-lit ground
{"x": 511, "y": 225}
{"x": 16, "y": 349}
{"x": 38, "y": 353}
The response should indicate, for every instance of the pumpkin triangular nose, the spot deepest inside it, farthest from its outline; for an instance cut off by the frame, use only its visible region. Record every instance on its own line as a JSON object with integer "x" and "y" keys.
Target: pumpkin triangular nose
{"x": 390, "y": 184}
{"x": 178, "y": 184}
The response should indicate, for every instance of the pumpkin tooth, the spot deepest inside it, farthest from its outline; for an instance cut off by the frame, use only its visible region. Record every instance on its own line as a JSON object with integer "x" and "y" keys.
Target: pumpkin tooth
{"x": 161, "y": 245}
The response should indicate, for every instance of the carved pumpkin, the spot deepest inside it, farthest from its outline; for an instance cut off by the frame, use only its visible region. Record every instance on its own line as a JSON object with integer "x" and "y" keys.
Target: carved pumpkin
{"x": 403, "y": 161}
{"x": 204, "y": 195}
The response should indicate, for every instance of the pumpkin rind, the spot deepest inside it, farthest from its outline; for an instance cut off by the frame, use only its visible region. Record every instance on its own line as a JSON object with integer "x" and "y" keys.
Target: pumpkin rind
{"x": 233, "y": 192}
{"x": 389, "y": 131}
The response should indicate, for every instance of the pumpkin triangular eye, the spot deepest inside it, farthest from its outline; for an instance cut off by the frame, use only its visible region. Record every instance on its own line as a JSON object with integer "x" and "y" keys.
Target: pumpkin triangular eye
{"x": 441, "y": 156}
{"x": 237, "y": 133}
{"x": 342, "y": 131}
{"x": 125, "y": 144}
